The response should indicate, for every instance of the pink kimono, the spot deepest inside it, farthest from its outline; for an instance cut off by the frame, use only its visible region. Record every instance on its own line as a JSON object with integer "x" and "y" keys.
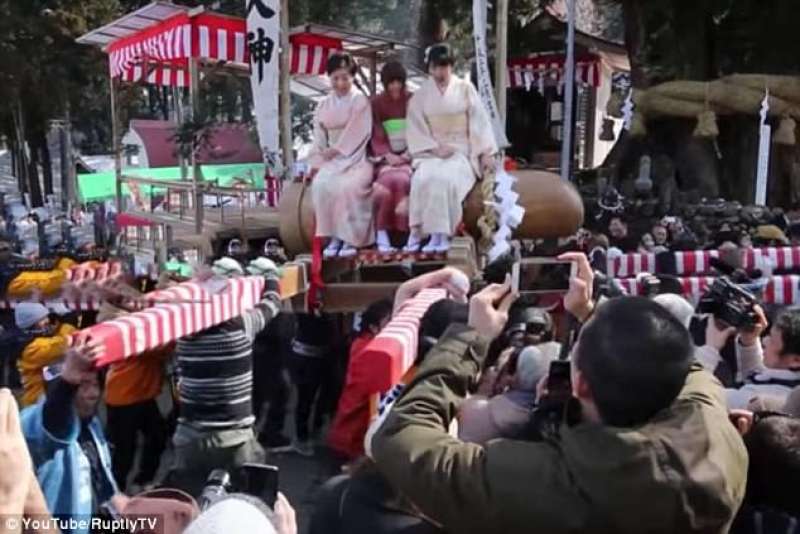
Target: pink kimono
{"x": 342, "y": 191}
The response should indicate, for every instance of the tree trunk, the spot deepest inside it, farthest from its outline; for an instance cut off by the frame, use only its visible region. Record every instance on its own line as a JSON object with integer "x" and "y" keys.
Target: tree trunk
{"x": 47, "y": 164}
{"x": 34, "y": 187}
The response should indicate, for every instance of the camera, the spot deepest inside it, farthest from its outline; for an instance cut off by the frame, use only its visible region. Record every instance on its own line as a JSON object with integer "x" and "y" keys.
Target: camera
{"x": 556, "y": 408}
{"x": 258, "y": 480}
{"x": 730, "y": 303}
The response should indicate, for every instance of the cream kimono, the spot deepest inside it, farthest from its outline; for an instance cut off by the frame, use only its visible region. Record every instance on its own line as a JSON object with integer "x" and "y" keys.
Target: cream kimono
{"x": 454, "y": 117}
{"x": 341, "y": 191}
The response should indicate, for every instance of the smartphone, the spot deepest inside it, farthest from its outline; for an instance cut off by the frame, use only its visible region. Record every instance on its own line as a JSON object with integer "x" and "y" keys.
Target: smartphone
{"x": 559, "y": 382}
{"x": 542, "y": 275}
{"x": 259, "y": 480}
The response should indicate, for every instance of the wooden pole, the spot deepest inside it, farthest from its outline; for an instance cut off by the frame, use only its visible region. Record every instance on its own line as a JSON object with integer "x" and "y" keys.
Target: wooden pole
{"x": 285, "y": 101}
{"x": 569, "y": 95}
{"x": 373, "y": 74}
{"x": 194, "y": 96}
{"x": 117, "y": 144}
{"x": 501, "y": 58}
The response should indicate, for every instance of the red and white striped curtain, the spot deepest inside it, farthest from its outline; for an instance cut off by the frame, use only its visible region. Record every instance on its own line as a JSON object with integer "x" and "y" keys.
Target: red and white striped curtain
{"x": 159, "y": 54}
{"x": 549, "y": 70}
{"x": 309, "y": 53}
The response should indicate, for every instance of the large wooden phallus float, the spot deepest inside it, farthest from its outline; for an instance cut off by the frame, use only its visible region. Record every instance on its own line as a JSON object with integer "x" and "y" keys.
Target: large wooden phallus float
{"x": 553, "y": 208}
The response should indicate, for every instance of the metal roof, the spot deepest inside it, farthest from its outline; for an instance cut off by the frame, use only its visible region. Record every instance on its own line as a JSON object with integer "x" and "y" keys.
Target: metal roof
{"x": 131, "y": 23}
{"x": 353, "y": 41}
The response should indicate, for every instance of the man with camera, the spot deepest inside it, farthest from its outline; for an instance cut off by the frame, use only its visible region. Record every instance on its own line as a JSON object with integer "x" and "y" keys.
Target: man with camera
{"x": 773, "y": 376}
{"x": 728, "y": 337}
{"x": 653, "y": 450}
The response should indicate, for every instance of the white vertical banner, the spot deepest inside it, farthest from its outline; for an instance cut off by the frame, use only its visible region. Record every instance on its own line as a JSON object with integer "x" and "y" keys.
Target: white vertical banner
{"x": 764, "y": 138}
{"x": 485, "y": 90}
{"x": 263, "y": 40}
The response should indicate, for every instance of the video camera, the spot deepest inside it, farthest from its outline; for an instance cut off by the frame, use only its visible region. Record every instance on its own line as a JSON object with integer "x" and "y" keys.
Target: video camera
{"x": 730, "y": 303}
{"x": 258, "y": 480}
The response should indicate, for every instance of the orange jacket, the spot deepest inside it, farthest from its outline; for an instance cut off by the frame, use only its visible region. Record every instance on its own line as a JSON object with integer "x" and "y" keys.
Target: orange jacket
{"x": 137, "y": 379}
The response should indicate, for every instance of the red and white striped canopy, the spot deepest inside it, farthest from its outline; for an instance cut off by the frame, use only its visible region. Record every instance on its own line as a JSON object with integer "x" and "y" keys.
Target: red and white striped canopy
{"x": 548, "y": 69}
{"x": 159, "y": 54}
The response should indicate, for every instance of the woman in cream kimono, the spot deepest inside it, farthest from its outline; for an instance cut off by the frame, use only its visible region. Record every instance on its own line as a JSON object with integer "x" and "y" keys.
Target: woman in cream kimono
{"x": 452, "y": 143}
{"x": 341, "y": 189}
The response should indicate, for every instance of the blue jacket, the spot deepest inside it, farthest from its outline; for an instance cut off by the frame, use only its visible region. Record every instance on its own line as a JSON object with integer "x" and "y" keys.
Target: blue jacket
{"x": 61, "y": 466}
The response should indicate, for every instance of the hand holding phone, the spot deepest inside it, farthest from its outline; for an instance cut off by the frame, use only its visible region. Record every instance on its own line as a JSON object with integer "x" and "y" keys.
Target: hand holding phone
{"x": 260, "y": 480}
{"x": 539, "y": 276}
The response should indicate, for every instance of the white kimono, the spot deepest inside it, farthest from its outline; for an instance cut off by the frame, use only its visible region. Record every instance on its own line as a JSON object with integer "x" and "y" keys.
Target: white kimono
{"x": 439, "y": 186}
{"x": 342, "y": 191}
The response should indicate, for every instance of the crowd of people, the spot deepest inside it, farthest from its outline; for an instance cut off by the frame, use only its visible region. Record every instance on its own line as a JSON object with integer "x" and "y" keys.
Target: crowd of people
{"x": 664, "y": 420}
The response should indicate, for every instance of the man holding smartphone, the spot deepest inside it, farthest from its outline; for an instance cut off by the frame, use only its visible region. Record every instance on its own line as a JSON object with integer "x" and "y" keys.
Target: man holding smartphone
{"x": 653, "y": 451}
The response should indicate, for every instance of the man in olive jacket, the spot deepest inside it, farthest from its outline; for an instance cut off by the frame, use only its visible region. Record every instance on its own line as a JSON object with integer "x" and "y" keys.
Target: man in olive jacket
{"x": 654, "y": 451}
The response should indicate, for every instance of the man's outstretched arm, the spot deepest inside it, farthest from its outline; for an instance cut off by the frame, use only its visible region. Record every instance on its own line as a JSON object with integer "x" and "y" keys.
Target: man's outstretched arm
{"x": 443, "y": 476}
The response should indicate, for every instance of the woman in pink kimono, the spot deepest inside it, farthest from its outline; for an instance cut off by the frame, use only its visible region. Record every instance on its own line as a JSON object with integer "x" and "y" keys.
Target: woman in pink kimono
{"x": 341, "y": 190}
{"x": 390, "y": 154}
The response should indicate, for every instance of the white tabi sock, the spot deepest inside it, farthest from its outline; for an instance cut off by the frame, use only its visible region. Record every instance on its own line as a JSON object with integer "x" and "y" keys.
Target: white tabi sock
{"x": 333, "y": 248}
{"x": 384, "y": 244}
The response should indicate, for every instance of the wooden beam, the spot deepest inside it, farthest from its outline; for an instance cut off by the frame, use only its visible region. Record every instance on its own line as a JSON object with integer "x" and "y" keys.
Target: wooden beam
{"x": 194, "y": 96}
{"x": 285, "y": 99}
{"x": 116, "y": 140}
{"x": 355, "y": 297}
{"x": 501, "y": 57}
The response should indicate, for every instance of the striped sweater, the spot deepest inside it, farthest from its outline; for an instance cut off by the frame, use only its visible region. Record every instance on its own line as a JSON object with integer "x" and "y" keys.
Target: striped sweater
{"x": 216, "y": 368}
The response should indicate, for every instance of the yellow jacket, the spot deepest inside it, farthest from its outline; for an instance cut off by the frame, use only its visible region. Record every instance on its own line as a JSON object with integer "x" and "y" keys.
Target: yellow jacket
{"x": 38, "y": 354}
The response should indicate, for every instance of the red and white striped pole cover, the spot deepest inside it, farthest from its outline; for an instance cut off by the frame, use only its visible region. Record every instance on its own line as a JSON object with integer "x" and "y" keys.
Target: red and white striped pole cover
{"x": 394, "y": 349}
{"x": 196, "y": 310}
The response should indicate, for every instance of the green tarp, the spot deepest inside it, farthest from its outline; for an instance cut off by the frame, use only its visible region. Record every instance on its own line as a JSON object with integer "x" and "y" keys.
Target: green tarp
{"x": 102, "y": 185}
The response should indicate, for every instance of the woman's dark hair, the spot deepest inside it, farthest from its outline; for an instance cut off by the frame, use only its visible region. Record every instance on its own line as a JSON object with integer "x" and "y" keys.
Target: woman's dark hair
{"x": 393, "y": 71}
{"x": 788, "y": 320}
{"x": 439, "y": 55}
{"x": 435, "y": 322}
{"x": 773, "y": 445}
{"x": 375, "y": 314}
{"x": 341, "y": 60}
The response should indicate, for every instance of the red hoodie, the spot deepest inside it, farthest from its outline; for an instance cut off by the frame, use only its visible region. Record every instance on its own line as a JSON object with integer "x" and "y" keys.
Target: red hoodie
{"x": 346, "y": 435}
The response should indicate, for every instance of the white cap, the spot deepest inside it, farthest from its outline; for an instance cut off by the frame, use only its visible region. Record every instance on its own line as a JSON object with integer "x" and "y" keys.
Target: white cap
{"x": 231, "y": 516}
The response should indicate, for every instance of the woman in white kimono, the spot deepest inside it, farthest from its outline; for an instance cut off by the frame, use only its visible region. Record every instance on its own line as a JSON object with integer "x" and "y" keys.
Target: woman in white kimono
{"x": 452, "y": 143}
{"x": 341, "y": 188}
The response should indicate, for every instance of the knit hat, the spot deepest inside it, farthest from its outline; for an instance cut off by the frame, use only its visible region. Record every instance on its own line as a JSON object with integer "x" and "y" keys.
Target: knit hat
{"x": 532, "y": 366}
{"x": 227, "y": 267}
{"x": 678, "y": 306}
{"x": 233, "y": 515}
{"x": 27, "y": 314}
